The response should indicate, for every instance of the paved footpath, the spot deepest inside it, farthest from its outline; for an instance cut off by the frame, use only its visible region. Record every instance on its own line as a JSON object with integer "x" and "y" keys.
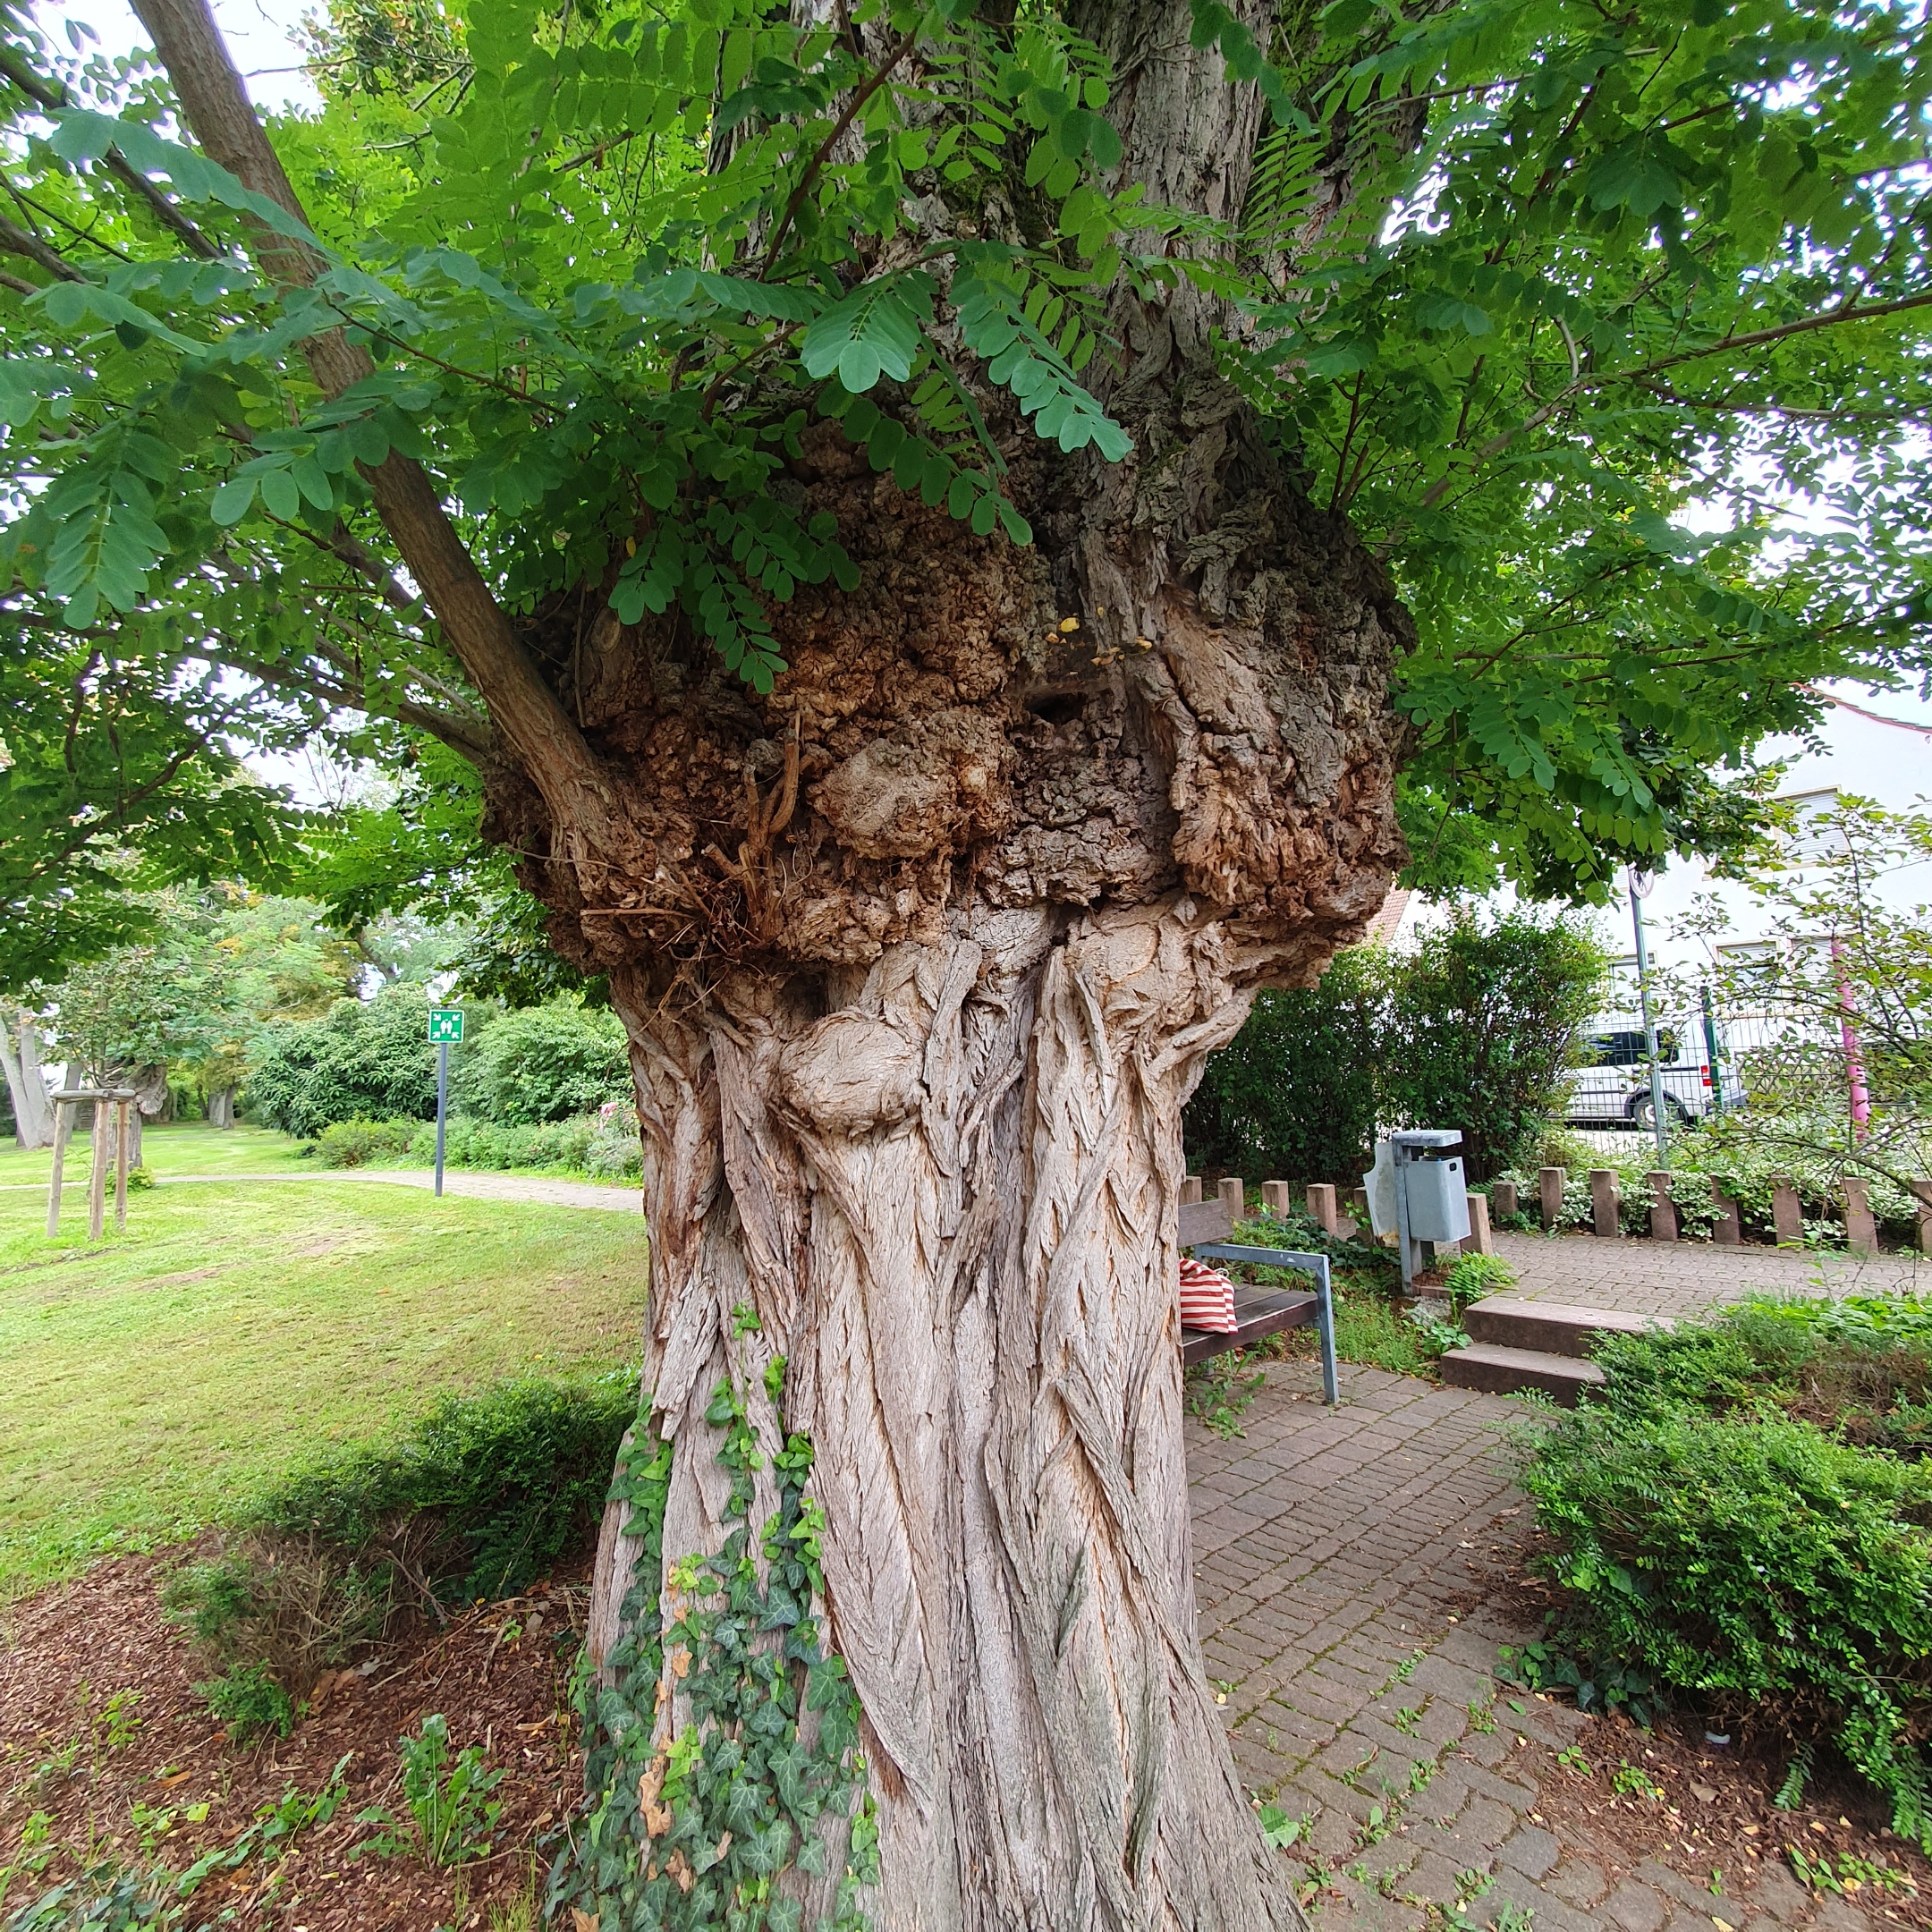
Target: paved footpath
{"x": 475, "y": 1186}
{"x": 1342, "y": 1562}
{"x": 1647, "y": 1277}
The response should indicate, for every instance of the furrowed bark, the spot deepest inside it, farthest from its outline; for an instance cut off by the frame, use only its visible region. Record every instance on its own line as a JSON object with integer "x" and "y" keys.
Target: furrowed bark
{"x": 951, "y": 1201}
{"x": 523, "y": 708}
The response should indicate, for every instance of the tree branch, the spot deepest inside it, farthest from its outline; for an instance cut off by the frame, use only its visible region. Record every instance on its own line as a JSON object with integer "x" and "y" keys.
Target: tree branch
{"x": 815, "y": 166}
{"x": 1758, "y": 339}
{"x": 52, "y": 96}
{"x": 16, "y": 240}
{"x": 525, "y": 710}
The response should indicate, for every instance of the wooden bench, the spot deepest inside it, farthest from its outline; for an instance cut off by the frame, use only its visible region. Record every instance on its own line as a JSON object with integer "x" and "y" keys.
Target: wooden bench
{"x": 1205, "y": 1227}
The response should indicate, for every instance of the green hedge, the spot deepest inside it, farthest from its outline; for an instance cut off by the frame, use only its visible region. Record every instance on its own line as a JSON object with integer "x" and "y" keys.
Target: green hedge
{"x": 367, "y": 1059}
{"x": 1474, "y": 1028}
{"x": 1732, "y": 1515}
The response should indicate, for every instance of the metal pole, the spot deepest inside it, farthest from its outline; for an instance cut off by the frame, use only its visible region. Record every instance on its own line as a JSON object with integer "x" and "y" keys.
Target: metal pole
{"x": 1649, "y": 1032}
{"x": 442, "y": 1108}
{"x": 1325, "y": 1316}
{"x": 1848, "y": 1039}
{"x": 1404, "y": 1245}
{"x": 1710, "y": 1052}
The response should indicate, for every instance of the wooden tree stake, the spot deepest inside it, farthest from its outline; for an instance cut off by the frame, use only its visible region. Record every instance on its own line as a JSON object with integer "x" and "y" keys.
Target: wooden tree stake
{"x": 63, "y": 1113}
{"x": 97, "y": 1180}
{"x": 122, "y": 1110}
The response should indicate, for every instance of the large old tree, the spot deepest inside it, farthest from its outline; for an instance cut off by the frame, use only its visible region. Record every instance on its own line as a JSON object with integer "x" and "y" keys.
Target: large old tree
{"x": 825, "y": 475}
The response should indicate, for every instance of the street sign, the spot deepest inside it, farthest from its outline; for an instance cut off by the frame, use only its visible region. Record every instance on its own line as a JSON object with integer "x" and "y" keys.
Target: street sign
{"x": 446, "y": 1026}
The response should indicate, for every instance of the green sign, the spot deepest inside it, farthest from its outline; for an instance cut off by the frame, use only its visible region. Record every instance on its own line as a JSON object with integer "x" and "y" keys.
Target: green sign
{"x": 446, "y": 1026}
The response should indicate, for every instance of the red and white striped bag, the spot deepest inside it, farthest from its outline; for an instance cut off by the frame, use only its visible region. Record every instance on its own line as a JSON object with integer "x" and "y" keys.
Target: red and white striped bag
{"x": 1206, "y": 1297}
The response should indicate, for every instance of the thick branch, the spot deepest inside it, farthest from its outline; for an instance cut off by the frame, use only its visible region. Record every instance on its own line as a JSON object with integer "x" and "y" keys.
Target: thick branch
{"x": 533, "y": 723}
{"x": 52, "y": 96}
{"x": 16, "y": 240}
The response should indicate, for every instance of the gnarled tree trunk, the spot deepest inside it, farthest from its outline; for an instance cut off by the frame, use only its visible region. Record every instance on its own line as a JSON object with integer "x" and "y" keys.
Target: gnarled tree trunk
{"x": 919, "y": 958}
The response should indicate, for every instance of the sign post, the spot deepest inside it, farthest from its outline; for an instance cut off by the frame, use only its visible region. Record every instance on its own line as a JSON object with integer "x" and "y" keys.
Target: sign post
{"x": 445, "y": 1031}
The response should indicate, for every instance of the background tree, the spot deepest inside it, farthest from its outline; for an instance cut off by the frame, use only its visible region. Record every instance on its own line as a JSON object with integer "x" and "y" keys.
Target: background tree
{"x": 545, "y": 1063}
{"x": 1483, "y": 1022}
{"x": 796, "y": 463}
{"x": 367, "y": 1059}
{"x": 26, "y": 1080}
{"x": 1474, "y": 1026}
{"x": 1843, "y": 982}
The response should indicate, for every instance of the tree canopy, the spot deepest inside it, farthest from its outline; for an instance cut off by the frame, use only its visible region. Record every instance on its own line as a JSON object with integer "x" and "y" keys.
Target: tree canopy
{"x": 1567, "y": 309}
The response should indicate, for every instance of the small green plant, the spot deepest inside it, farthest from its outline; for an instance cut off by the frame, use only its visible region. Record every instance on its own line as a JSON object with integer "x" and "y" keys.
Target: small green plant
{"x": 1406, "y": 1719}
{"x": 451, "y": 1813}
{"x": 1845, "y": 1875}
{"x": 1280, "y": 1830}
{"x": 1220, "y": 1392}
{"x": 249, "y": 1702}
{"x": 1436, "y": 1333}
{"x": 1511, "y": 1916}
{"x": 1406, "y": 1669}
{"x": 1563, "y": 1662}
{"x": 108, "y": 1898}
{"x": 154, "y": 1822}
{"x": 1481, "y": 1715}
{"x": 1790, "y": 1790}
{"x": 1474, "y": 1276}
{"x": 1633, "y": 1781}
{"x": 1573, "y": 1761}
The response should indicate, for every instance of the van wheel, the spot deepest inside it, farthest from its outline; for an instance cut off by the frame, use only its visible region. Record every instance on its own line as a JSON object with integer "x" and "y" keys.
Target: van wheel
{"x": 1637, "y": 1113}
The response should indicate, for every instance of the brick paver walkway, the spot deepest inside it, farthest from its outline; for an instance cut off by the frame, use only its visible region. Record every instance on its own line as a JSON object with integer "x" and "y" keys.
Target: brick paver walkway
{"x": 1647, "y": 1277}
{"x": 1341, "y": 1562}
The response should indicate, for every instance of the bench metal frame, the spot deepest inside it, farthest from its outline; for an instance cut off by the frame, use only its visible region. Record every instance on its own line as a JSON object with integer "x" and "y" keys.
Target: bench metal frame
{"x": 1316, "y": 1265}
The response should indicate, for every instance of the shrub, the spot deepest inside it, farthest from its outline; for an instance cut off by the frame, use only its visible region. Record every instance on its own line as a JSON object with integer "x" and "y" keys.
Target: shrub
{"x": 355, "y": 1143}
{"x": 288, "y": 1604}
{"x": 1725, "y": 1532}
{"x": 1475, "y": 1029}
{"x": 366, "y": 1060}
{"x": 250, "y": 1701}
{"x": 615, "y": 1152}
{"x": 1482, "y": 1027}
{"x": 1294, "y": 1092}
{"x": 545, "y": 1063}
{"x": 513, "y": 1476}
{"x": 1474, "y": 1276}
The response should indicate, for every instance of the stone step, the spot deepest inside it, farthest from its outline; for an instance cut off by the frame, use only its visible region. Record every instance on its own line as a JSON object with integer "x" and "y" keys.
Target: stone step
{"x": 1502, "y": 1371}
{"x": 1553, "y": 1327}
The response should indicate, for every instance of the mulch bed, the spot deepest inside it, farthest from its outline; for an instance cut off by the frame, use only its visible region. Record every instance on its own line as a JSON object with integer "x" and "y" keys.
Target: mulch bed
{"x": 1716, "y": 1813}
{"x": 73, "y": 1772}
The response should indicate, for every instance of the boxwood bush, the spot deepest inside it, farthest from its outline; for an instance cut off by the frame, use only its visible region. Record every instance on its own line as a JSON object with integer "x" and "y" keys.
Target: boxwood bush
{"x": 1743, "y": 1512}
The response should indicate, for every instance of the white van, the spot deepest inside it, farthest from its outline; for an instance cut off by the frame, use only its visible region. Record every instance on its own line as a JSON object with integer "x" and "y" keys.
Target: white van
{"x": 1613, "y": 1084}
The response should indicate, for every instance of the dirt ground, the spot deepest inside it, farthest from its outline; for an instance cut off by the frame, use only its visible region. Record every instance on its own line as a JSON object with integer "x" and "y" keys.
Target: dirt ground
{"x": 108, "y": 1753}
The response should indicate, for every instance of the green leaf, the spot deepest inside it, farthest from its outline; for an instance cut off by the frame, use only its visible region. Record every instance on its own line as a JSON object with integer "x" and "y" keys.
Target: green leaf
{"x": 872, "y": 332}
{"x": 232, "y": 499}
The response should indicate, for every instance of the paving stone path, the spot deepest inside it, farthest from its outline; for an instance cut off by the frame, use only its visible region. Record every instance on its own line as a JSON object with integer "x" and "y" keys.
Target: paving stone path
{"x": 1342, "y": 1562}
{"x": 1646, "y": 1277}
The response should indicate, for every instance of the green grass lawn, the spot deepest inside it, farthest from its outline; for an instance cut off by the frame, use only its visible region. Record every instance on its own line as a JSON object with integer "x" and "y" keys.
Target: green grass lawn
{"x": 187, "y": 1148}
{"x": 234, "y": 1332}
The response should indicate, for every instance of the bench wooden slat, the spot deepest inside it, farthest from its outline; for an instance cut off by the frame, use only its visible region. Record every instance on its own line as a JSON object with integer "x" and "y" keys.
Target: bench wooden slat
{"x": 1204, "y": 1221}
{"x": 1258, "y": 1312}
